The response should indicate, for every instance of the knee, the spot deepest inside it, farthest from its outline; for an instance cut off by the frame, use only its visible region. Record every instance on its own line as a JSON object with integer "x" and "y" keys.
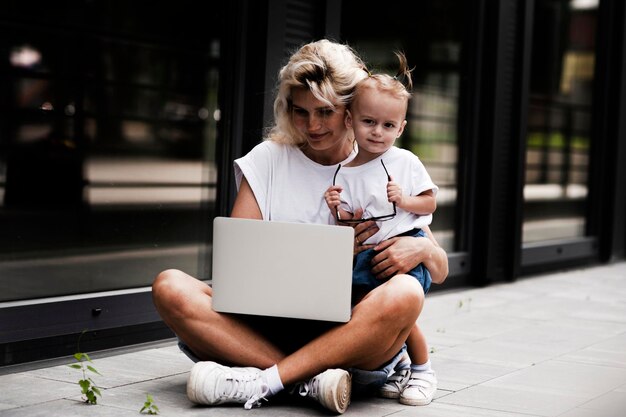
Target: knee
{"x": 167, "y": 288}
{"x": 404, "y": 298}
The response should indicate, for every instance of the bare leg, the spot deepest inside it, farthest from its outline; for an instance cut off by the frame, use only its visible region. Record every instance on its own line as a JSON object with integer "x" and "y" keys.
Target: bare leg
{"x": 380, "y": 325}
{"x": 417, "y": 346}
{"x": 184, "y": 303}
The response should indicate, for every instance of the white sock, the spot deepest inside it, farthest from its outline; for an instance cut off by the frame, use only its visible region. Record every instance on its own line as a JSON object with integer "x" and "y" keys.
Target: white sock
{"x": 272, "y": 379}
{"x": 421, "y": 368}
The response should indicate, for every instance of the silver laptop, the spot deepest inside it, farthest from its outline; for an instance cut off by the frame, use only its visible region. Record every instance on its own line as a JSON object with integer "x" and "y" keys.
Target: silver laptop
{"x": 282, "y": 269}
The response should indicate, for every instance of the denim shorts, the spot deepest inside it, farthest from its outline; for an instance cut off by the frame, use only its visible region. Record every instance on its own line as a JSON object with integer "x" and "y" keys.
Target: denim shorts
{"x": 364, "y": 281}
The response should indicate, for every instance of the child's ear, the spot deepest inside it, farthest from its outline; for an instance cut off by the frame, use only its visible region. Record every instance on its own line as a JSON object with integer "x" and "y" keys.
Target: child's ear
{"x": 401, "y": 129}
{"x": 348, "y": 119}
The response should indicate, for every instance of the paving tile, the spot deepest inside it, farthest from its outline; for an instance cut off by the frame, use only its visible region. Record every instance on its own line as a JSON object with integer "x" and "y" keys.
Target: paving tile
{"x": 512, "y": 401}
{"x": 473, "y": 326}
{"x": 585, "y": 382}
{"x": 455, "y": 375}
{"x": 124, "y": 369}
{"x": 610, "y": 404}
{"x": 440, "y": 409}
{"x": 498, "y": 353}
{"x": 568, "y": 334}
{"x": 581, "y": 412}
{"x": 67, "y": 408}
{"x": 112, "y": 373}
{"x": 609, "y": 352}
{"x": 22, "y": 389}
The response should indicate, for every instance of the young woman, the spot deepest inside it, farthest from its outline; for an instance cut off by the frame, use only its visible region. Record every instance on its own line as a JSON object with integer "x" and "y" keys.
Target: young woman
{"x": 284, "y": 179}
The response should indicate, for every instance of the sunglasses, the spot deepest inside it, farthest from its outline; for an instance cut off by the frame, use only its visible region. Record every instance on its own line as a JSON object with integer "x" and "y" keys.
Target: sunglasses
{"x": 376, "y": 218}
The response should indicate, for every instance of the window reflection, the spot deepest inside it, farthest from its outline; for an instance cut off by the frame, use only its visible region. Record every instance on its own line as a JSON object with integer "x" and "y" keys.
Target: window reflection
{"x": 108, "y": 132}
{"x": 559, "y": 121}
{"x": 432, "y": 34}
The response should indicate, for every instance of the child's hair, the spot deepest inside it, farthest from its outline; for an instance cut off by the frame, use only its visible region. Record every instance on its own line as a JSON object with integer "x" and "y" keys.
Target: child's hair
{"x": 328, "y": 69}
{"x": 399, "y": 86}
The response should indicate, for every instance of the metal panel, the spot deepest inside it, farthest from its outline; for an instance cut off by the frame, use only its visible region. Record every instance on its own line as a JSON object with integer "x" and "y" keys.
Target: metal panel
{"x": 559, "y": 251}
{"x": 496, "y": 245}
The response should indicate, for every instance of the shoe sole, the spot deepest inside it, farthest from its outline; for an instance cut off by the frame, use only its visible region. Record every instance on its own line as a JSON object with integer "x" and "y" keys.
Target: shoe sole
{"x": 409, "y": 401}
{"x": 338, "y": 380}
{"x": 389, "y": 394}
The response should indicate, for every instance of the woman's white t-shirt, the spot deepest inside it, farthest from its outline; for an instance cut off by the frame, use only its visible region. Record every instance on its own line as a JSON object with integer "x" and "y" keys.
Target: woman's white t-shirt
{"x": 287, "y": 185}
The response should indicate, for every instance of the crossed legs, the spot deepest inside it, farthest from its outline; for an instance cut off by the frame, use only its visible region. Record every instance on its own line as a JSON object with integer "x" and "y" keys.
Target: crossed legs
{"x": 380, "y": 325}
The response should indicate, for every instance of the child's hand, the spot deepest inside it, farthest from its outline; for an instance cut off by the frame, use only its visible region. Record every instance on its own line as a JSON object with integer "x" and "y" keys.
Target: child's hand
{"x": 333, "y": 197}
{"x": 394, "y": 193}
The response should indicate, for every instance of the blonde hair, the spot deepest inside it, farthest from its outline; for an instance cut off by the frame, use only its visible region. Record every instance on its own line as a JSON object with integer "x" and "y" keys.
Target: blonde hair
{"x": 398, "y": 86}
{"x": 328, "y": 69}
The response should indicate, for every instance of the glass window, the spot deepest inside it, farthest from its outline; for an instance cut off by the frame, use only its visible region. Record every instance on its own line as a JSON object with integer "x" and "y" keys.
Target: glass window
{"x": 108, "y": 129}
{"x": 433, "y": 36}
{"x": 559, "y": 119}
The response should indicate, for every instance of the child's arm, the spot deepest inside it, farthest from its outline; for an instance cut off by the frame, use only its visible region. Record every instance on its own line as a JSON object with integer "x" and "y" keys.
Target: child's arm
{"x": 333, "y": 200}
{"x": 422, "y": 204}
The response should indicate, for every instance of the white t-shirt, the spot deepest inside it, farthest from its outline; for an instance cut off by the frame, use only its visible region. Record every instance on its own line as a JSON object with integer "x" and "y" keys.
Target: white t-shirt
{"x": 365, "y": 186}
{"x": 287, "y": 185}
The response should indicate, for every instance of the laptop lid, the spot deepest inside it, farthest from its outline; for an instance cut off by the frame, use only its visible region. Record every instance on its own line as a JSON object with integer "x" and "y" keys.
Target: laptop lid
{"x": 282, "y": 269}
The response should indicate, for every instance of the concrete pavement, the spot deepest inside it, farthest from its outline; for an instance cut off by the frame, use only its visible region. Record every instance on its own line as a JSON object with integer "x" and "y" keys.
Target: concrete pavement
{"x": 550, "y": 345}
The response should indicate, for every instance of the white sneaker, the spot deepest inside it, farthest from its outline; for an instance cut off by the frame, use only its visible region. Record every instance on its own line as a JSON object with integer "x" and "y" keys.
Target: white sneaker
{"x": 395, "y": 384}
{"x": 210, "y": 383}
{"x": 420, "y": 389}
{"x": 331, "y": 388}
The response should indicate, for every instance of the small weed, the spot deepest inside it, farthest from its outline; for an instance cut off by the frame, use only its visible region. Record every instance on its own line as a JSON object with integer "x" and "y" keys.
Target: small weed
{"x": 464, "y": 302}
{"x": 87, "y": 386}
{"x": 149, "y": 407}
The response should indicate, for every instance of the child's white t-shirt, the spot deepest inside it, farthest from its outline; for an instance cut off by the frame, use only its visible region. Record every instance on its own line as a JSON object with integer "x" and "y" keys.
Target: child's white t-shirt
{"x": 365, "y": 186}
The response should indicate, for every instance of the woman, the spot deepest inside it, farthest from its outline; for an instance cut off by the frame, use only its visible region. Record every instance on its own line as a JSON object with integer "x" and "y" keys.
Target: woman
{"x": 284, "y": 179}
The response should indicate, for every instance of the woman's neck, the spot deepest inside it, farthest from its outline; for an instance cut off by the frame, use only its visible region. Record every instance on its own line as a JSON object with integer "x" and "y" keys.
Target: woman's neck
{"x": 330, "y": 156}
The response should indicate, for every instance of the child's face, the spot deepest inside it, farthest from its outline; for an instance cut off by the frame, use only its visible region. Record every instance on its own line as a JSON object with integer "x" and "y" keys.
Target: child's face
{"x": 377, "y": 119}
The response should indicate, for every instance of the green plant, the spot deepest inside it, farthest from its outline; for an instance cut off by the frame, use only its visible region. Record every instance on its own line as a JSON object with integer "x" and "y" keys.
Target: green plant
{"x": 87, "y": 385}
{"x": 149, "y": 406}
{"x": 466, "y": 302}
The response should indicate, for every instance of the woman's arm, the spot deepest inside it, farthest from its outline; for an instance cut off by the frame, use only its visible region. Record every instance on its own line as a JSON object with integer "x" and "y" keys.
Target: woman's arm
{"x": 246, "y": 205}
{"x": 437, "y": 263}
{"x": 399, "y": 255}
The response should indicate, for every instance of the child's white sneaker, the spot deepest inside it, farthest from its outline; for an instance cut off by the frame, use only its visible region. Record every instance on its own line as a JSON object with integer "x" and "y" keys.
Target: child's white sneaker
{"x": 395, "y": 384}
{"x": 420, "y": 388}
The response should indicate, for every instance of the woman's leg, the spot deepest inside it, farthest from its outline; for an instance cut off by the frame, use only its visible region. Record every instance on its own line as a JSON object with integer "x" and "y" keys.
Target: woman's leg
{"x": 380, "y": 325}
{"x": 184, "y": 304}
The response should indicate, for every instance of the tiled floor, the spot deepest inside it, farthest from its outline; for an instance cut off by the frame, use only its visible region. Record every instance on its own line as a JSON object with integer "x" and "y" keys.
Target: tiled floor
{"x": 552, "y": 345}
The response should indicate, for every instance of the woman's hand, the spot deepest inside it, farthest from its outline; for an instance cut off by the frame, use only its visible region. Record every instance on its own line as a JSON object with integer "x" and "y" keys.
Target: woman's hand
{"x": 399, "y": 255}
{"x": 362, "y": 232}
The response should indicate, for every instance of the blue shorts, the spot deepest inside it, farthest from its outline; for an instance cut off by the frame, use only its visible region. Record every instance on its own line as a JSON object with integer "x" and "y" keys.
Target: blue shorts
{"x": 364, "y": 281}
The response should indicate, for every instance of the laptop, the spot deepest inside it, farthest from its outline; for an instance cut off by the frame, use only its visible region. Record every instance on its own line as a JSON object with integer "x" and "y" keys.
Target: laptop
{"x": 281, "y": 269}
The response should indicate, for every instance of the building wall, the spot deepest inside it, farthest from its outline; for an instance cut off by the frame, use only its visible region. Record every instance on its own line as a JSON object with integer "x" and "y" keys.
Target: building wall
{"x": 118, "y": 127}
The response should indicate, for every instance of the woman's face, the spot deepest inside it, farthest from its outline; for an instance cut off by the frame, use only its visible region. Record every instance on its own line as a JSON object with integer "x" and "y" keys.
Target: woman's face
{"x": 322, "y": 126}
